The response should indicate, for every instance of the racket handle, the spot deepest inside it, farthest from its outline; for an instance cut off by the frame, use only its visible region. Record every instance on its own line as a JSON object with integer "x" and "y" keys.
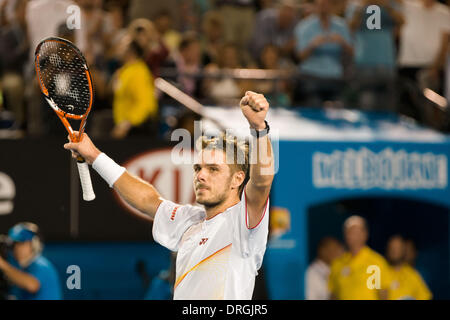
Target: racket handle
{"x": 85, "y": 179}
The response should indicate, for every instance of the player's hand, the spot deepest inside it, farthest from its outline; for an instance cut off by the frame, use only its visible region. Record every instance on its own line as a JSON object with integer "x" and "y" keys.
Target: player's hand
{"x": 254, "y": 107}
{"x": 85, "y": 148}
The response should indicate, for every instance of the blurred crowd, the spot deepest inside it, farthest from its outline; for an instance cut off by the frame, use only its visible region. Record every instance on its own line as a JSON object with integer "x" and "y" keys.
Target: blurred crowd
{"x": 354, "y": 271}
{"x": 334, "y": 53}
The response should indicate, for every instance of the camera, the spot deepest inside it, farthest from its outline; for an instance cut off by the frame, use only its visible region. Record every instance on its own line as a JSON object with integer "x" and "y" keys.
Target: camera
{"x": 5, "y": 246}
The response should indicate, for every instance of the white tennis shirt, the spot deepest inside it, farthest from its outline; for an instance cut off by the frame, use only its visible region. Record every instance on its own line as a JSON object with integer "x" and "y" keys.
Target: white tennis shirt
{"x": 217, "y": 258}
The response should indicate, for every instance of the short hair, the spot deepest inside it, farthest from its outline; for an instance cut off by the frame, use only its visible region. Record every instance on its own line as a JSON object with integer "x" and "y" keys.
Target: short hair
{"x": 236, "y": 152}
{"x": 187, "y": 39}
{"x": 355, "y": 219}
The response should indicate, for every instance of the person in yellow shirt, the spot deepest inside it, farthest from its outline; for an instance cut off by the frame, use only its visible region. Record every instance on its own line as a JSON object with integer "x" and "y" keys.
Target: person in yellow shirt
{"x": 361, "y": 273}
{"x": 134, "y": 93}
{"x": 407, "y": 284}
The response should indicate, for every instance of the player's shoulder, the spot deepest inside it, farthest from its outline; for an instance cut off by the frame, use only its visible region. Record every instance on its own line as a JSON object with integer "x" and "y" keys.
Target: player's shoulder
{"x": 174, "y": 208}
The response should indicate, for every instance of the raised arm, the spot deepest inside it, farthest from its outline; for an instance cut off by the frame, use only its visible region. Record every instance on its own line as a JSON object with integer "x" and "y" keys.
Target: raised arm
{"x": 254, "y": 107}
{"x": 136, "y": 192}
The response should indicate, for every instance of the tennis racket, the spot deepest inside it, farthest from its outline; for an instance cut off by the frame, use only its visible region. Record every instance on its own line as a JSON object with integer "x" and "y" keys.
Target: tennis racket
{"x": 66, "y": 83}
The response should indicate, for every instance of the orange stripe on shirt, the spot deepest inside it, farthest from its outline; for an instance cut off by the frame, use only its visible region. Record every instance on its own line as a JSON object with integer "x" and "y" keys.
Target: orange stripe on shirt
{"x": 177, "y": 282}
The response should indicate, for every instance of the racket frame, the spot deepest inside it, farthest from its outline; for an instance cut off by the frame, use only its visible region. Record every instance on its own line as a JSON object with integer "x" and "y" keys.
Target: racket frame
{"x": 64, "y": 116}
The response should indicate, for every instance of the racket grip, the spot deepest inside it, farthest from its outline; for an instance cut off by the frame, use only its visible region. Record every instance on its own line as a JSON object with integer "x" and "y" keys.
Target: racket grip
{"x": 85, "y": 179}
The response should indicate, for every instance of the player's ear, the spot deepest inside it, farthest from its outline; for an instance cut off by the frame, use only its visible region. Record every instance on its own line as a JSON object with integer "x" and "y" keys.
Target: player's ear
{"x": 238, "y": 179}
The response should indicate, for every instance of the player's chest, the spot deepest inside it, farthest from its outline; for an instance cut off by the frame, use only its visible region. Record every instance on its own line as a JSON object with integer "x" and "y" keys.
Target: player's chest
{"x": 204, "y": 239}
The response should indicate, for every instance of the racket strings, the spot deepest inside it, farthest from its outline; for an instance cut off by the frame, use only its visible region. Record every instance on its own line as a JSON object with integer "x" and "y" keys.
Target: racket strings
{"x": 62, "y": 72}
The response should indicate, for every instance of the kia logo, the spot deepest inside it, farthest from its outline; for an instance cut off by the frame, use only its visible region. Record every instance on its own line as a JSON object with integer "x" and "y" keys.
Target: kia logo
{"x": 172, "y": 181}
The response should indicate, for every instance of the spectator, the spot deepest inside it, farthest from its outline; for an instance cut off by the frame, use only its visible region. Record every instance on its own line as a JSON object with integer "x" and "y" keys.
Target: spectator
{"x": 213, "y": 37}
{"x": 322, "y": 39}
{"x": 114, "y": 27}
{"x": 134, "y": 102}
{"x": 239, "y": 16}
{"x": 224, "y": 90}
{"x": 151, "y": 9}
{"x": 146, "y": 35}
{"x": 375, "y": 56}
{"x": 188, "y": 64}
{"x": 275, "y": 26}
{"x": 318, "y": 271}
{"x": 277, "y": 91}
{"x": 14, "y": 48}
{"x": 94, "y": 34}
{"x": 426, "y": 22}
{"x": 170, "y": 36}
{"x": 407, "y": 284}
{"x": 348, "y": 276}
{"x": 32, "y": 276}
{"x": 375, "y": 48}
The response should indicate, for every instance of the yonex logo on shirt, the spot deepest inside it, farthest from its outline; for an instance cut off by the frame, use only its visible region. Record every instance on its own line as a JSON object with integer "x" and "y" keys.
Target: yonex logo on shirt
{"x": 203, "y": 241}
{"x": 172, "y": 216}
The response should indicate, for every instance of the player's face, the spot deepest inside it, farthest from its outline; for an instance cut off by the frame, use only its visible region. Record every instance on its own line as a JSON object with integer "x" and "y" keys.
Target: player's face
{"x": 22, "y": 251}
{"x": 212, "y": 178}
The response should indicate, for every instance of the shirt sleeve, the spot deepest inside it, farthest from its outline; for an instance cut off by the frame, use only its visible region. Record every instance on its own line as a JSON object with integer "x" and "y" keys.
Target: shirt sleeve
{"x": 252, "y": 241}
{"x": 49, "y": 283}
{"x": 316, "y": 288}
{"x": 171, "y": 221}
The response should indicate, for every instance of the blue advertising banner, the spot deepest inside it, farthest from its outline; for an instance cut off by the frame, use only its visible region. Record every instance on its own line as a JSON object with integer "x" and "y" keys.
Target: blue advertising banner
{"x": 311, "y": 173}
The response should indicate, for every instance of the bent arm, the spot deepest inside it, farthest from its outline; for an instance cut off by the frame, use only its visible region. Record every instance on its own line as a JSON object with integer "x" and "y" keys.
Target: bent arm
{"x": 21, "y": 279}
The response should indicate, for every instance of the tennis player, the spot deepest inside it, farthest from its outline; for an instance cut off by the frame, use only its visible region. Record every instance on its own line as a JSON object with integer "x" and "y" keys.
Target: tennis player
{"x": 220, "y": 246}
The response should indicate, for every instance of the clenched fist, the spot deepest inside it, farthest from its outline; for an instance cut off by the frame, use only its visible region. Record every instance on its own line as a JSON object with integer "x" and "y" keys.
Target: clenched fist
{"x": 254, "y": 107}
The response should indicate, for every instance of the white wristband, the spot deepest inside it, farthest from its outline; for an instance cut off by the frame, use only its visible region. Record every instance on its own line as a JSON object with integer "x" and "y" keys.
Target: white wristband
{"x": 108, "y": 169}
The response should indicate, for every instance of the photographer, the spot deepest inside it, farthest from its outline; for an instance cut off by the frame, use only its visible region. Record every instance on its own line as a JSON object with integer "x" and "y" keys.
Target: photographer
{"x": 32, "y": 276}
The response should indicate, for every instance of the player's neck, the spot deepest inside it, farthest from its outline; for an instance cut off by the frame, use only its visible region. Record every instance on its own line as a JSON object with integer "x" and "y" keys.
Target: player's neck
{"x": 211, "y": 212}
